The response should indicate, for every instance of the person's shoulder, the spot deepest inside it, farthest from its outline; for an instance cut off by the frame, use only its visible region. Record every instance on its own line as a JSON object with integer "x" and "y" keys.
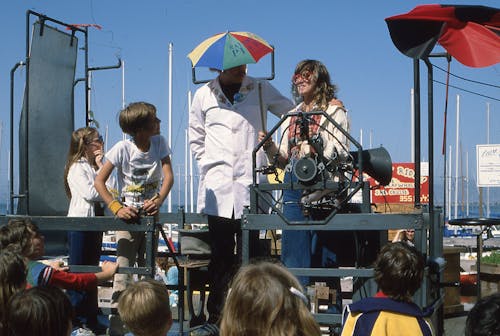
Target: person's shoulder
{"x": 335, "y": 107}
{"x": 78, "y": 163}
{"x": 207, "y": 86}
{"x": 158, "y": 139}
{"x": 334, "y": 102}
{"x": 118, "y": 150}
{"x": 122, "y": 144}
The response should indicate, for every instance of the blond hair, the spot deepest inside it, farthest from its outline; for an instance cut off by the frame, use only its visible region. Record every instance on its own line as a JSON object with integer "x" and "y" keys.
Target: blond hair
{"x": 79, "y": 139}
{"x": 144, "y": 308}
{"x": 136, "y": 116}
{"x": 265, "y": 300}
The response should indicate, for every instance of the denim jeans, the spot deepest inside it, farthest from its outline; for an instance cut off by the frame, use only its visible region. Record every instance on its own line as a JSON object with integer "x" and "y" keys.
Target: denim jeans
{"x": 305, "y": 248}
{"x": 296, "y": 245}
{"x": 84, "y": 249}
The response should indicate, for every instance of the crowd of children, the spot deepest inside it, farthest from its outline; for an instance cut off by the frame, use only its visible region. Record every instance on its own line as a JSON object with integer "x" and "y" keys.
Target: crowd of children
{"x": 264, "y": 297}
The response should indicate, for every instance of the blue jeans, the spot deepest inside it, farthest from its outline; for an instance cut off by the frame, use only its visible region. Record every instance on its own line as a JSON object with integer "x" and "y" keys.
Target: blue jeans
{"x": 296, "y": 245}
{"x": 305, "y": 248}
{"x": 85, "y": 249}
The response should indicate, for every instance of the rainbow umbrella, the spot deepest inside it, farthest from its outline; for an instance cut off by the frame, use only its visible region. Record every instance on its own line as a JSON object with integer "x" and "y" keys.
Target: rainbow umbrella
{"x": 228, "y": 50}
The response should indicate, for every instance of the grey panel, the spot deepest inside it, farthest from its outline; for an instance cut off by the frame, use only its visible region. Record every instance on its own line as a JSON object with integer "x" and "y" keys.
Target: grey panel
{"x": 50, "y": 120}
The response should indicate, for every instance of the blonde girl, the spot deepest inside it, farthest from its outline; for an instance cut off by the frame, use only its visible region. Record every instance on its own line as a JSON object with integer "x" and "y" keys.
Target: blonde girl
{"x": 265, "y": 299}
{"x": 85, "y": 156}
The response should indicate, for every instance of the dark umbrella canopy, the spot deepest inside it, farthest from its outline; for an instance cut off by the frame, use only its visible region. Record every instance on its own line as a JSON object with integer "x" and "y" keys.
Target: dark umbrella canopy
{"x": 471, "y": 34}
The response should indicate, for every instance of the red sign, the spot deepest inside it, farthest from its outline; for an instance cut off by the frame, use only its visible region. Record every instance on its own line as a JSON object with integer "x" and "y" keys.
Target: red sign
{"x": 402, "y": 188}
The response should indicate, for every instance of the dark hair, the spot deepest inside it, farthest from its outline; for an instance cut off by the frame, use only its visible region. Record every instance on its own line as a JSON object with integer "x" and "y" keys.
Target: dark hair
{"x": 484, "y": 317}
{"x": 399, "y": 270}
{"x": 12, "y": 278}
{"x": 324, "y": 91}
{"x": 136, "y": 116}
{"x": 39, "y": 311}
{"x": 19, "y": 232}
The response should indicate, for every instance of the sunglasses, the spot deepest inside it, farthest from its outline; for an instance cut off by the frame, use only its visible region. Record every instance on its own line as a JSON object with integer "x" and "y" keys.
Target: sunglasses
{"x": 98, "y": 139}
{"x": 304, "y": 76}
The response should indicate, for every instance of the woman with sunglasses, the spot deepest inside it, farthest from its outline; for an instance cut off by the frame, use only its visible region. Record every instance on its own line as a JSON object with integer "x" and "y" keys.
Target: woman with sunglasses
{"x": 85, "y": 157}
{"x": 312, "y": 89}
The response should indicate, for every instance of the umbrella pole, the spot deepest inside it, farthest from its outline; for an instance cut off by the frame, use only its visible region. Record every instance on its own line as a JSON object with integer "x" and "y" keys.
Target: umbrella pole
{"x": 262, "y": 111}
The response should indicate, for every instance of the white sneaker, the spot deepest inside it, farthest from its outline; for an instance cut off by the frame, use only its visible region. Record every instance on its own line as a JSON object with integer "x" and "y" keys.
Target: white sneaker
{"x": 82, "y": 332}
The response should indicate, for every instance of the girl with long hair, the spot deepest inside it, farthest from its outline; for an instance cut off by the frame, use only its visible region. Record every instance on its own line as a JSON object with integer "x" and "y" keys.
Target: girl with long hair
{"x": 85, "y": 158}
{"x": 265, "y": 299}
{"x": 312, "y": 136}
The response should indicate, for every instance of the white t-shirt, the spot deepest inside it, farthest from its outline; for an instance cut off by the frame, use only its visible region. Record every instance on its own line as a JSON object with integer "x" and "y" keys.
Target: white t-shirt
{"x": 139, "y": 174}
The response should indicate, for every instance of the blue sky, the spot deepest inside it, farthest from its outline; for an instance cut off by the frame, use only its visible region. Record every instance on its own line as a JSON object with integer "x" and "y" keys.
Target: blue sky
{"x": 350, "y": 37}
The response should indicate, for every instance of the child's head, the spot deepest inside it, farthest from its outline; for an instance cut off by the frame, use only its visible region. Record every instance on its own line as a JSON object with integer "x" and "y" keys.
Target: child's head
{"x": 399, "y": 270}
{"x": 84, "y": 141}
{"x": 12, "y": 275}
{"x": 139, "y": 116}
{"x": 266, "y": 299}
{"x": 24, "y": 234}
{"x": 144, "y": 308}
{"x": 484, "y": 317}
{"x": 40, "y": 311}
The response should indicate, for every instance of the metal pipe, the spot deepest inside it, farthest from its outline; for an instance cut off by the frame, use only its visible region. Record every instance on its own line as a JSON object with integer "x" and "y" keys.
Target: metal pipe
{"x": 11, "y": 162}
{"x": 72, "y": 27}
{"x": 430, "y": 125}
{"x": 87, "y": 86}
{"x": 416, "y": 159}
{"x": 27, "y": 109}
{"x": 117, "y": 66}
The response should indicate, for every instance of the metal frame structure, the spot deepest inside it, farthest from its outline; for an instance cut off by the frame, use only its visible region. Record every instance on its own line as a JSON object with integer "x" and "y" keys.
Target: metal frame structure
{"x": 426, "y": 220}
{"x": 148, "y": 225}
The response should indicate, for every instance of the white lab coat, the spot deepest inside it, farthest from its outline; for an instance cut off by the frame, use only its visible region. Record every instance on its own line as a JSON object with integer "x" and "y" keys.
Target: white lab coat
{"x": 222, "y": 137}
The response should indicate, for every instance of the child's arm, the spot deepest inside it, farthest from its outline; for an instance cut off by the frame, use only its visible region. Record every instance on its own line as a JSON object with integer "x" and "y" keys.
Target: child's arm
{"x": 108, "y": 270}
{"x": 80, "y": 281}
{"x": 121, "y": 211}
{"x": 400, "y": 236}
{"x": 152, "y": 206}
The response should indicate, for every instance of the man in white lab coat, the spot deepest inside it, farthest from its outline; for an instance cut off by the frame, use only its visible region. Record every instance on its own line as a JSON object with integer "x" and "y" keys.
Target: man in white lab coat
{"x": 224, "y": 121}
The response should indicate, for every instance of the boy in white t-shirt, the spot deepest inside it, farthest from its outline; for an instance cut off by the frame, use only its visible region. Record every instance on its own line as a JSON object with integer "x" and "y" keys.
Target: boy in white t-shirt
{"x": 144, "y": 177}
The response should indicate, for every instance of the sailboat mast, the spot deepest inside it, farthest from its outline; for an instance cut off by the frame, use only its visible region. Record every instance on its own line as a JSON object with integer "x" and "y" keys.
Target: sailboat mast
{"x": 456, "y": 157}
{"x": 191, "y": 178}
{"x": 186, "y": 151}
{"x": 170, "y": 48}
{"x": 124, "y": 137}
{"x": 448, "y": 182}
{"x": 488, "y": 142}
{"x": 462, "y": 180}
{"x": 467, "y": 183}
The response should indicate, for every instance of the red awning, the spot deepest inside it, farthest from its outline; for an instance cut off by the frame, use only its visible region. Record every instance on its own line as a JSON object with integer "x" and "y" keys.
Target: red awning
{"x": 471, "y": 34}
